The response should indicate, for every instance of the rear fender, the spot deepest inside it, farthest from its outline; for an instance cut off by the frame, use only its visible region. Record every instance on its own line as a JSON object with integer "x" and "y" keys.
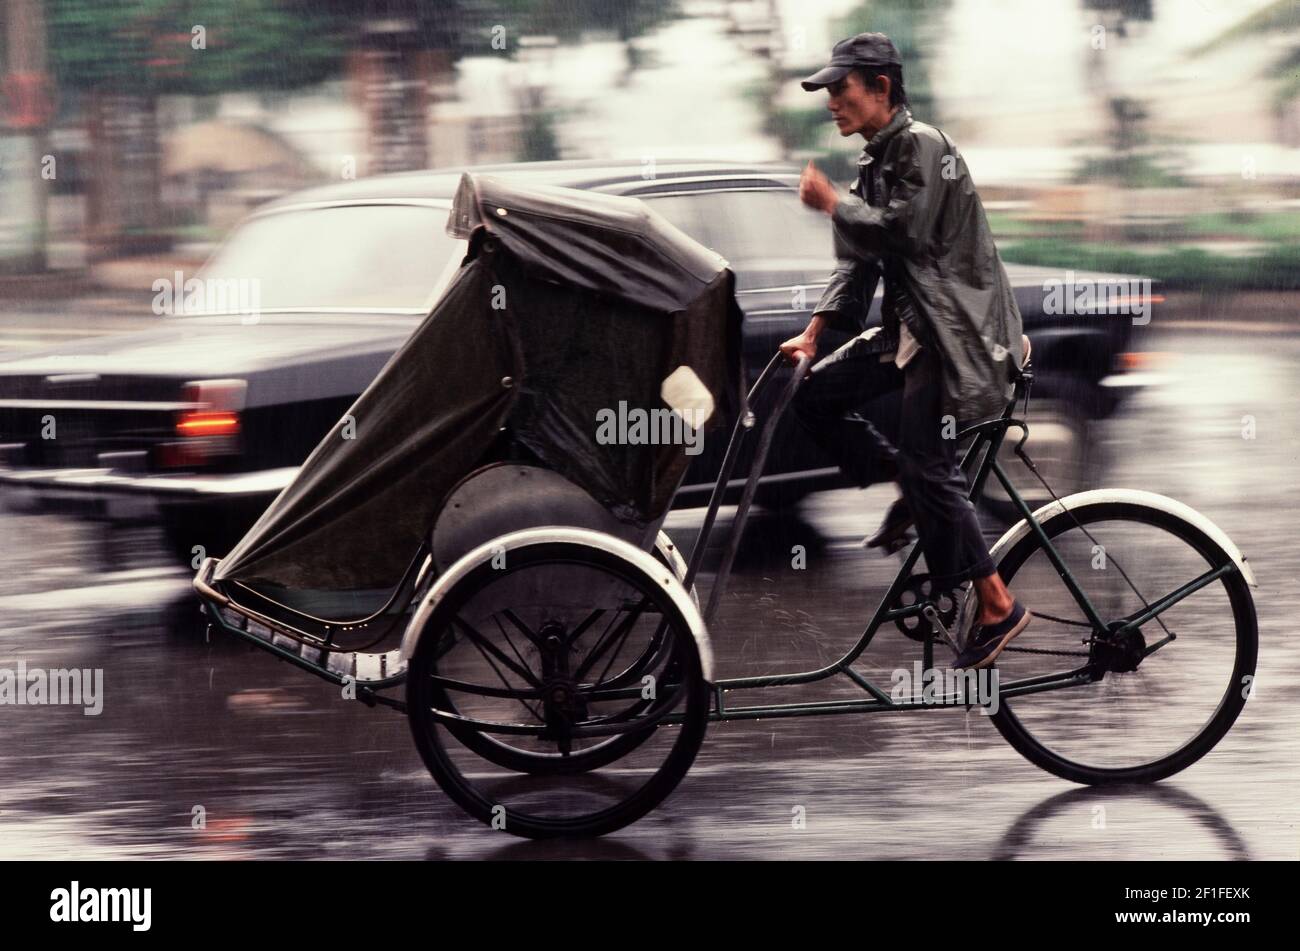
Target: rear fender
{"x": 647, "y": 564}
{"x": 1138, "y": 497}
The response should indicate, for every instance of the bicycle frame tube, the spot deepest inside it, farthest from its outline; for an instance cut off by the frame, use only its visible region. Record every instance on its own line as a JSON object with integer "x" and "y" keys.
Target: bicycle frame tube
{"x": 989, "y": 436}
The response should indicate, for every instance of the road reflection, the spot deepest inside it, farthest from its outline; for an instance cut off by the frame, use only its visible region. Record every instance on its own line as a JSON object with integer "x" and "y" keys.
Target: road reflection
{"x": 209, "y": 748}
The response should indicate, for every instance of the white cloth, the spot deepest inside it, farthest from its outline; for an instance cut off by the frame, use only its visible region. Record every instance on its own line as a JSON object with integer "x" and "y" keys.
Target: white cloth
{"x": 907, "y": 347}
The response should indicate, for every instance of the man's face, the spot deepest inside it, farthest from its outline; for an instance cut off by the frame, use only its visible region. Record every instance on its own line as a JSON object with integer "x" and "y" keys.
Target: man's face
{"x": 856, "y": 109}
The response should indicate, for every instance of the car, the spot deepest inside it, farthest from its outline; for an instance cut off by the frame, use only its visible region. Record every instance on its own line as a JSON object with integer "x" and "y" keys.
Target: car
{"x": 200, "y": 421}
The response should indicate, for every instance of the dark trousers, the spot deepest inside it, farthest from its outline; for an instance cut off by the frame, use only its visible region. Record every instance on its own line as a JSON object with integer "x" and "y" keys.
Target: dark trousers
{"x": 900, "y": 436}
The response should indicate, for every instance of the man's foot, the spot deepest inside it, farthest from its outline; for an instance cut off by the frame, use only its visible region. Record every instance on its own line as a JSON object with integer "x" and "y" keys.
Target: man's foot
{"x": 987, "y": 641}
{"x": 892, "y": 533}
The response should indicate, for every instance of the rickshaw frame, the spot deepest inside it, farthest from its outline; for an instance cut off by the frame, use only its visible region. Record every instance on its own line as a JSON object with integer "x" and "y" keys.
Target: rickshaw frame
{"x": 989, "y": 437}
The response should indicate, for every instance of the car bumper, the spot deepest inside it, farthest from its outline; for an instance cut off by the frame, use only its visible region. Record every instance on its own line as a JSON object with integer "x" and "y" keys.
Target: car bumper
{"x": 116, "y": 494}
{"x": 1133, "y": 380}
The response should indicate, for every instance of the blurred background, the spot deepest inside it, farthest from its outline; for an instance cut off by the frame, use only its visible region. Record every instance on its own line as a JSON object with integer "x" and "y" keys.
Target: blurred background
{"x": 1159, "y": 137}
{"x": 1148, "y": 137}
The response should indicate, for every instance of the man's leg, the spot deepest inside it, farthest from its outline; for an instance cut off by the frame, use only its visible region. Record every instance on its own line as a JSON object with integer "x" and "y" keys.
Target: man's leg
{"x": 936, "y": 491}
{"x": 842, "y": 383}
{"x": 932, "y": 483}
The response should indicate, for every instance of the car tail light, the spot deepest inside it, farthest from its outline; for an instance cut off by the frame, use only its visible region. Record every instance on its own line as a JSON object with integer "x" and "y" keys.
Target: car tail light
{"x": 210, "y": 428}
{"x": 204, "y": 423}
{"x": 1127, "y": 305}
{"x": 1134, "y": 360}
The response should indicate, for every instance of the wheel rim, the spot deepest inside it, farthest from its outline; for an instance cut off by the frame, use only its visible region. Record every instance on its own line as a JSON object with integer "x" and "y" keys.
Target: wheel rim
{"x": 1180, "y": 699}
{"x": 590, "y": 666}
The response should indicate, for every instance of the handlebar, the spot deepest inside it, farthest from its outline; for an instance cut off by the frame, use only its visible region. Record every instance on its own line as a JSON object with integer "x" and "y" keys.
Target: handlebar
{"x": 743, "y": 425}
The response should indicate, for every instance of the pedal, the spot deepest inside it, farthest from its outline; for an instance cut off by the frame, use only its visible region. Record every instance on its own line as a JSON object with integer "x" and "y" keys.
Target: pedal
{"x": 932, "y": 616}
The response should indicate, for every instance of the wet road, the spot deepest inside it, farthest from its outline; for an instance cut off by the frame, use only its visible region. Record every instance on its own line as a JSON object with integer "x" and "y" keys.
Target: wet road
{"x": 282, "y": 766}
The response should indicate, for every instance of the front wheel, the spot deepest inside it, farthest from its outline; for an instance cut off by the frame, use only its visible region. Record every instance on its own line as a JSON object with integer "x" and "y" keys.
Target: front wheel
{"x": 558, "y": 694}
{"x": 1156, "y": 700}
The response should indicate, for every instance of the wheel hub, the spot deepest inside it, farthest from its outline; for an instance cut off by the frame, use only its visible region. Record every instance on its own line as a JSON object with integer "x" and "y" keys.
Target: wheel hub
{"x": 1120, "y": 651}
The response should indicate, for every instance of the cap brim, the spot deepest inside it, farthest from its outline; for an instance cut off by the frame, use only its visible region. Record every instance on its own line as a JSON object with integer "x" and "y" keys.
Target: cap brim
{"x": 825, "y": 76}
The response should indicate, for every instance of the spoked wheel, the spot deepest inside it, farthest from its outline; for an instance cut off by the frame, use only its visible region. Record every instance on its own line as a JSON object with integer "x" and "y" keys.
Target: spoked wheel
{"x": 1158, "y": 698}
{"x": 568, "y": 664}
{"x": 519, "y": 760}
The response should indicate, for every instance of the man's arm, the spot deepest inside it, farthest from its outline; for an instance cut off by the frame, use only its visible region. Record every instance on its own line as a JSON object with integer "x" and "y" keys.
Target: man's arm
{"x": 843, "y": 305}
{"x": 907, "y": 224}
{"x": 841, "y": 302}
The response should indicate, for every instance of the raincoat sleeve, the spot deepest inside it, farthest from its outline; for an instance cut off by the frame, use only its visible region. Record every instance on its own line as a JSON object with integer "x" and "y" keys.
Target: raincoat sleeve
{"x": 907, "y": 224}
{"x": 846, "y": 300}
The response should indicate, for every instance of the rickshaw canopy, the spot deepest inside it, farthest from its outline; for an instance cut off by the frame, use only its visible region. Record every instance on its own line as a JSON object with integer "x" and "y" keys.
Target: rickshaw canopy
{"x": 582, "y": 330}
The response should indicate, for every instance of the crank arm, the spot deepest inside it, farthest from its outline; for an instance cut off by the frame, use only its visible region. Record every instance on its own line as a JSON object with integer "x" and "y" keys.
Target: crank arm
{"x": 932, "y": 616}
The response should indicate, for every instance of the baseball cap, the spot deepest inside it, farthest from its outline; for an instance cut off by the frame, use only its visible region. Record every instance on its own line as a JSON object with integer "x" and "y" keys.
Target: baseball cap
{"x": 865, "y": 49}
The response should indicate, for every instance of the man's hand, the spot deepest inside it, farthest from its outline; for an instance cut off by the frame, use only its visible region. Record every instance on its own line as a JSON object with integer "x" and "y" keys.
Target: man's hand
{"x": 806, "y": 343}
{"x": 799, "y": 346}
{"x": 816, "y": 190}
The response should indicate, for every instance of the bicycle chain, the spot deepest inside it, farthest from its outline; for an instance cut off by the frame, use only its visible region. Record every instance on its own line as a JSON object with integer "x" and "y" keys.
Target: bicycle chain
{"x": 1044, "y": 651}
{"x": 1051, "y": 653}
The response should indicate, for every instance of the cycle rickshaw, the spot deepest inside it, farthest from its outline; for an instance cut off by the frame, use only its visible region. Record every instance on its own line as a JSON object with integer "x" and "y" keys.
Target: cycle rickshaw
{"x": 485, "y": 524}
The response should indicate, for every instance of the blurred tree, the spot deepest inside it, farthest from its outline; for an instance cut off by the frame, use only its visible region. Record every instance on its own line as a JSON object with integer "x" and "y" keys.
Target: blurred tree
{"x": 488, "y": 27}
{"x": 1281, "y": 18}
{"x": 26, "y": 108}
{"x": 1128, "y": 163}
{"x": 122, "y": 54}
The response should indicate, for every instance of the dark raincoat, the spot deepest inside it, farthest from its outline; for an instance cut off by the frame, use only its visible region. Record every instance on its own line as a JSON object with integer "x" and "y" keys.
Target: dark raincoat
{"x": 922, "y": 225}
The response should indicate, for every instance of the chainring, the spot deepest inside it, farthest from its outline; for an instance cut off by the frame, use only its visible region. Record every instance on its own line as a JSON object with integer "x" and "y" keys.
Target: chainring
{"x": 919, "y": 588}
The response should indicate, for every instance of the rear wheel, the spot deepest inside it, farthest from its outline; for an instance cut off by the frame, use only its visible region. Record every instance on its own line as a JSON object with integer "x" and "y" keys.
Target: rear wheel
{"x": 1160, "y": 697}
{"x": 530, "y": 761}
{"x": 569, "y": 665}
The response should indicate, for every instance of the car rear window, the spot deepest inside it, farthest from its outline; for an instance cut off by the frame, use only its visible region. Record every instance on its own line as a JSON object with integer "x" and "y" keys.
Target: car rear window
{"x": 350, "y": 256}
{"x": 750, "y": 227}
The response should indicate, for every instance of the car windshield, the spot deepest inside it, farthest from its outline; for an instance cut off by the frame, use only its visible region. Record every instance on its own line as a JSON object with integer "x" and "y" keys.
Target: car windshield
{"x": 751, "y": 227}
{"x": 351, "y": 256}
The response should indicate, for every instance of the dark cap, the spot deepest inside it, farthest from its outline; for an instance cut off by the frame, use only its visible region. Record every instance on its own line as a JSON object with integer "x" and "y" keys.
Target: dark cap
{"x": 865, "y": 49}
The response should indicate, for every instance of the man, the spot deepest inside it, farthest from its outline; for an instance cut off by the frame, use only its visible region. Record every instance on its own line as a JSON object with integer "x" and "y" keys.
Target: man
{"x": 951, "y": 335}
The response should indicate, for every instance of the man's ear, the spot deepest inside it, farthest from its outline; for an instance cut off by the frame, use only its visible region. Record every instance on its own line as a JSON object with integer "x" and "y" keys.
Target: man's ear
{"x": 886, "y": 83}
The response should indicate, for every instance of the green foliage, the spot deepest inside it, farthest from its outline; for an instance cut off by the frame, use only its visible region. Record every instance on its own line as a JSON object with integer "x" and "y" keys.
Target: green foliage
{"x": 1128, "y": 170}
{"x": 796, "y": 129}
{"x": 1281, "y": 226}
{"x": 1277, "y": 268}
{"x": 1280, "y": 16}
{"x": 147, "y": 46}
